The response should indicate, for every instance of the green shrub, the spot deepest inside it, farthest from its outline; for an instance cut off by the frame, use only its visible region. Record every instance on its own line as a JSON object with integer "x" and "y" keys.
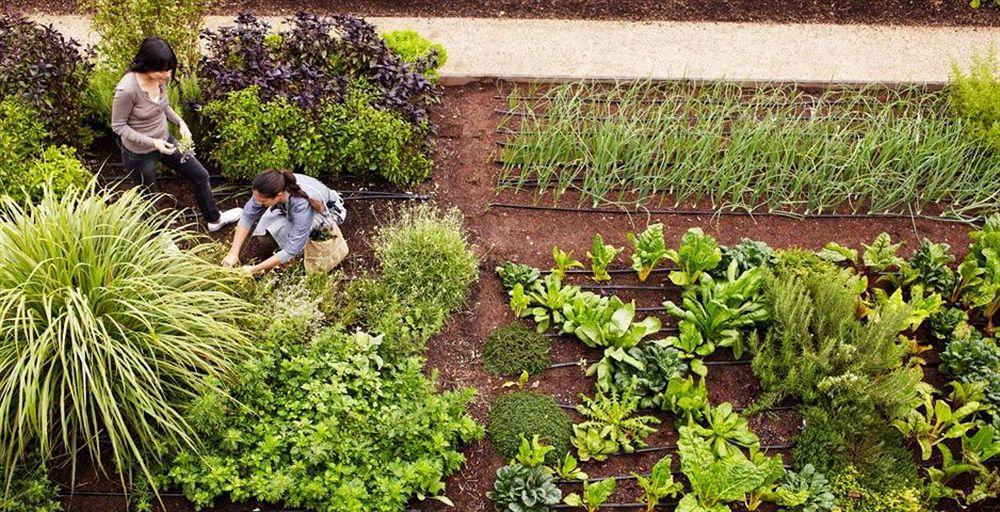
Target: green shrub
{"x": 854, "y": 494}
{"x": 818, "y": 350}
{"x": 251, "y": 136}
{"x": 425, "y": 269}
{"x": 527, "y": 413}
{"x": 106, "y": 328}
{"x": 412, "y": 47}
{"x": 514, "y": 348}
{"x": 975, "y": 97}
{"x": 122, "y": 26}
{"x": 326, "y": 424}
{"x": 30, "y": 490}
{"x": 362, "y": 139}
{"x": 27, "y": 165}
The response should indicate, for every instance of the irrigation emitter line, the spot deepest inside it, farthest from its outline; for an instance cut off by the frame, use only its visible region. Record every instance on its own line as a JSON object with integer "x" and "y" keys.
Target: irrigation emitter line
{"x": 668, "y": 448}
{"x": 775, "y": 408}
{"x": 619, "y": 478}
{"x": 740, "y": 213}
{"x": 729, "y": 362}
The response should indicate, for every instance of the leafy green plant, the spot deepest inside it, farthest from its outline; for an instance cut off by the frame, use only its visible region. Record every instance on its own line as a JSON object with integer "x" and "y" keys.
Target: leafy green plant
{"x": 594, "y": 495}
{"x": 563, "y": 261}
{"x": 610, "y": 416}
{"x": 29, "y": 166}
{"x": 936, "y": 423}
{"x": 514, "y": 348}
{"x": 814, "y": 484}
{"x": 659, "y": 484}
{"x": 527, "y": 413}
{"x": 716, "y": 481}
{"x": 546, "y": 300}
{"x": 657, "y": 364}
{"x": 929, "y": 266}
{"x": 107, "y": 331}
{"x": 520, "y": 488}
{"x": 698, "y": 253}
{"x": 30, "y": 489}
{"x": 837, "y": 253}
{"x": 748, "y": 255}
{"x": 648, "y": 250}
{"x": 426, "y": 266}
{"x": 569, "y": 469}
{"x": 616, "y": 329}
{"x": 311, "y": 415}
{"x": 726, "y": 431}
{"x": 512, "y": 273}
{"x": 532, "y": 453}
{"x": 721, "y": 309}
{"x": 601, "y": 256}
{"x": 881, "y": 256}
{"x": 944, "y": 322}
{"x": 414, "y": 48}
{"x": 689, "y": 402}
{"x": 980, "y": 272}
{"x": 969, "y": 358}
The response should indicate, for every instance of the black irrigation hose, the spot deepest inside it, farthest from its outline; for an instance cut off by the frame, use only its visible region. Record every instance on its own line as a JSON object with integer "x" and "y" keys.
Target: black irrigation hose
{"x": 625, "y": 287}
{"x": 741, "y": 213}
{"x": 611, "y": 271}
{"x": 112, "y": 494}
{"x": 619, "y": 478}
{"x": 776, "y": 408}
{"x": 619, "y": 505}
{"x": 731, "y": 362}
{"x": 668, "y": 448}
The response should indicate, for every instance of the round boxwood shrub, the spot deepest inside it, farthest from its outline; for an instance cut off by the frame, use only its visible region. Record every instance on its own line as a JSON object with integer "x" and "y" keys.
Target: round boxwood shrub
{"x": 528, "y": 413}
{"x": 515, "y": 348}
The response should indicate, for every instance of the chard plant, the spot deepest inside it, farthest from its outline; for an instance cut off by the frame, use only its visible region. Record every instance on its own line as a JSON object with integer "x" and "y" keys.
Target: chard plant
{"x": 698, "y": 253}
{"x": 836, "y": 253}
{"x": 935, "y": 422}
{"x": 659, "y": 484}
{"x": 648, "y": 250}
{"x": 881, "y": 255}
{"x": 686, "y": 400}
{"x": 563, "y": 261}
{"x": 601, "y": 256}
{"x": 980, "y": 272}
{"x": 569, "y": 469}
{"x": 594, "y": 495}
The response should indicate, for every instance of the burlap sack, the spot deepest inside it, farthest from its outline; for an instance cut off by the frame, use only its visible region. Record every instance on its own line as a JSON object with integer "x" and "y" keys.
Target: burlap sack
{"x": 324, "y": 256}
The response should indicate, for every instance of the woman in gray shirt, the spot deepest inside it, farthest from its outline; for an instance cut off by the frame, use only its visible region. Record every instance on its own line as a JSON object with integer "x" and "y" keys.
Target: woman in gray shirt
{"x": 139, "y": 116}
{"x": 288, "y": 207}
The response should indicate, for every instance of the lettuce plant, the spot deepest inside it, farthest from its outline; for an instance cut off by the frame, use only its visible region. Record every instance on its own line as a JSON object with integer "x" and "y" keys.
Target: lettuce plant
{"x": 648, "y": 250}
{"x": 569, "y": 469}
{"x": 686, "y": 400}
{"x": 698, "y": 253}
{"x": 601, "y": 256}
{"x": 563, "y": 261}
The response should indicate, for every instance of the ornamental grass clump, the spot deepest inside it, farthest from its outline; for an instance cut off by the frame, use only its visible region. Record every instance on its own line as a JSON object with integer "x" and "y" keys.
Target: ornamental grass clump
{"x": 106, "y": 329}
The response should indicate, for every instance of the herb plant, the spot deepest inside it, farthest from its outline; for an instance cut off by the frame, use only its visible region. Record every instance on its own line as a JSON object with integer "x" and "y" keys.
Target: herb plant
{"x": 514, "y": 348}
{"x": 528, "y": 414}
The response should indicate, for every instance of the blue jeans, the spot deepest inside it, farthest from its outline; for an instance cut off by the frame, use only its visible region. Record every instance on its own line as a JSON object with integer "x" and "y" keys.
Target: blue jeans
{"x": 141, "y": 167}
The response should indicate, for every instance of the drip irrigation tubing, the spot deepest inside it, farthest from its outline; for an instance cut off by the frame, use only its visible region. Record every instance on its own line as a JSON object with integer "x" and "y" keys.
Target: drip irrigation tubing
{"x": 619, "y": 478}
{"x": 661, "y": 504}
{"x": 776, "y": 408}
{"x": 607, "y": 287}
{"x": 741, "y": 213}
{"x": 667, "y": 448}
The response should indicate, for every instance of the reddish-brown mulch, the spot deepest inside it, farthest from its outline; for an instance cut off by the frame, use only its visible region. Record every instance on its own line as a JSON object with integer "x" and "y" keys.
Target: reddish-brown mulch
{"x": 465, "y": 179}
{"x": 895, "y": 12}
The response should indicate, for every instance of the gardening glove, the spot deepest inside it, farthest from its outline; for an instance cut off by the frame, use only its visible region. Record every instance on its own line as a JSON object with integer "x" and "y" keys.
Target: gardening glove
{"x": 185, "y": 131}
{"x": 164, "y": 147}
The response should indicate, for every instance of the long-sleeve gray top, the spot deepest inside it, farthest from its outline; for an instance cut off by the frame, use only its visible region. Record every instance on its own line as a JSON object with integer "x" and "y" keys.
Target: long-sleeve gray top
{"x": 297, "y": 210}
{"x": 137, "y": 119}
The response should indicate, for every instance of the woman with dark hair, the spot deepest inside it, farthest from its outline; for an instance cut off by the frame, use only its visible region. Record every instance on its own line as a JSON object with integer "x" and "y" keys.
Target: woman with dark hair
{"x": 288, "y": 207}
{"x": 139, "y": 116}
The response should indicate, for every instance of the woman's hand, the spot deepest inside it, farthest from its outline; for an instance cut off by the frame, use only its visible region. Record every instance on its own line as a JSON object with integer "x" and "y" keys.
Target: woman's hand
{"x": 164, "y": 147}
{"x": 231, "y": 260}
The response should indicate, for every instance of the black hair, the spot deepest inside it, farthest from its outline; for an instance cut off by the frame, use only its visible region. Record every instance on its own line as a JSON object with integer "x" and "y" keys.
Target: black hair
{"x": 154, "y": 54}
{"x": 272, "y": 182}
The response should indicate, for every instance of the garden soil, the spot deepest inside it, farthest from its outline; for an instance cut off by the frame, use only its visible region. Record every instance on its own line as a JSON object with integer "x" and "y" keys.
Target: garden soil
{"x": 465, "y": 179}
{"x": 897, "y": 12}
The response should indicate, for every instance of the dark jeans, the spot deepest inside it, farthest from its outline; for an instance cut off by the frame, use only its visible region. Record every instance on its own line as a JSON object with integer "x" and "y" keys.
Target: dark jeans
{"x": 141, "y": 167}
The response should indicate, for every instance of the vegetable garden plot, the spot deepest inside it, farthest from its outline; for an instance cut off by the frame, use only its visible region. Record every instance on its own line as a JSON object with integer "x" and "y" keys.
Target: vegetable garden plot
{"x": 836, "y": 331}
{"x": 865, "y": 151}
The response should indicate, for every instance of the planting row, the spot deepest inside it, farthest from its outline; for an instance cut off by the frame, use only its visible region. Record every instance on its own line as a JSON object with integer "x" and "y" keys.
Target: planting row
{"x": 324, "y": 96}
{"x": 774, "y": 149}
{"x": 841, "y": 335}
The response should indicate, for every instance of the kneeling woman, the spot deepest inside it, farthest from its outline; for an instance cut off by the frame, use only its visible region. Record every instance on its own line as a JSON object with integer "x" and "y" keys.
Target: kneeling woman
{"x": 288, "y": 207}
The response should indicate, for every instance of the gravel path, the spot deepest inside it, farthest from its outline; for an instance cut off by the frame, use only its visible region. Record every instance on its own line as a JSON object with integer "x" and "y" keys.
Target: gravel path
{"x": 559, "y": 49}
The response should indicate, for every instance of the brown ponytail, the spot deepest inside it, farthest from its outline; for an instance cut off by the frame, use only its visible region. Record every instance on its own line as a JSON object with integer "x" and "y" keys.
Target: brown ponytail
{"x": 272, "y": 182}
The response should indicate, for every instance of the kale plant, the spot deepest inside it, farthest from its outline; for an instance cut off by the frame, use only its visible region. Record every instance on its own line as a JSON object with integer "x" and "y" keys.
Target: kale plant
{"x": 520, "y": 488}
